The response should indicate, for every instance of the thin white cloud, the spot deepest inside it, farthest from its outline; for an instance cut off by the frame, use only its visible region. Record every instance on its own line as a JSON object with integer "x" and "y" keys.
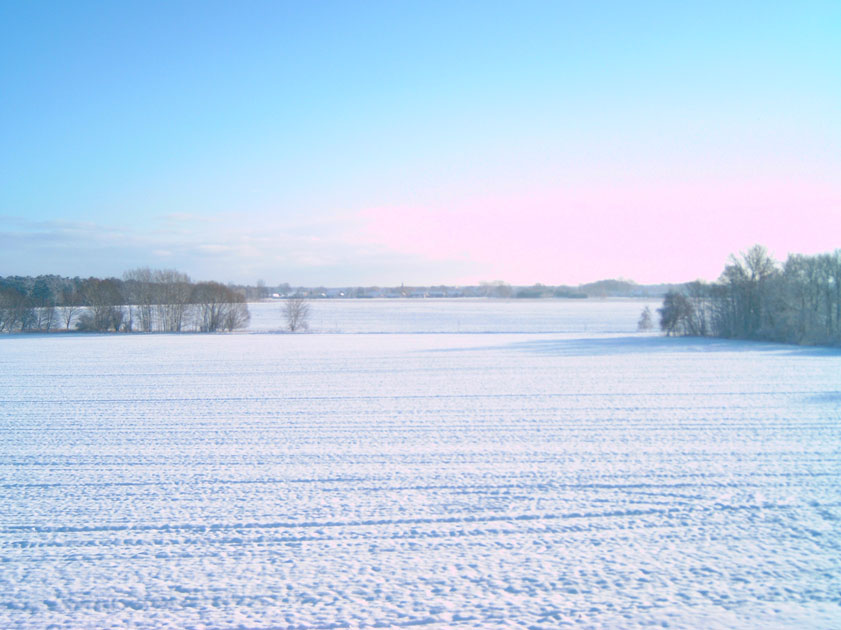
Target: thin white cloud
{"x": 230, "y": 248}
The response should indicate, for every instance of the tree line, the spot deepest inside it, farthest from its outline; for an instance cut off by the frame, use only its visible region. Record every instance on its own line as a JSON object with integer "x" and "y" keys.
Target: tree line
{"x": 756, "y": 297}
{"x": 143, "y": 300}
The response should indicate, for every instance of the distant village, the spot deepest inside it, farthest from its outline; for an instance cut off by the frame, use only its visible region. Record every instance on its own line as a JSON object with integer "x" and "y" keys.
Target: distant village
{"x": 600, "y": 289}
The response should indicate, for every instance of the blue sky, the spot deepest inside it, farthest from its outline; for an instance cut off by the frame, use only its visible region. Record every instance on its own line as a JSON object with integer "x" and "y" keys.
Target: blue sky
{"x": 379, "y": 143}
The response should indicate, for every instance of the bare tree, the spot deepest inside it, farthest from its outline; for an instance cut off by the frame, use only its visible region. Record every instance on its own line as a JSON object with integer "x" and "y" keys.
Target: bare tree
{"x": 104, "y": 301}
{"x": 747, "y": 278}
{"x": 173, "y": 299}
{"x": 676, "y": 314}
{"x": 646, "y": 321}
{"x": 69, "y": 304}
{"x": 297, "y": 312}
{"x": 219, "y": 307}
{"x": 237, "y": 315}
{"x": 141, "y": 290}
{"x": 15, "y": 311}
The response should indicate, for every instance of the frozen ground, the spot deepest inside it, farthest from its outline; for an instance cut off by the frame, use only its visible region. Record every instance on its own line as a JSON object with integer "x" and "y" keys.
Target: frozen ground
{"x": 437, "y": 480}
{"x": 474, "y": 315}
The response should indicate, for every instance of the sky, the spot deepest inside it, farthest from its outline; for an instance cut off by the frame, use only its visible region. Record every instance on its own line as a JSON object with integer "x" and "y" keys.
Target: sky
{"x": 379, "y": 143}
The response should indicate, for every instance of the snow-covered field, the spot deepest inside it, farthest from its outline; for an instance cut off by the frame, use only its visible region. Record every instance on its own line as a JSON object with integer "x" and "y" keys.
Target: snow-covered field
{"x": 460, "y": 480}
{"x": 476, "y": 315}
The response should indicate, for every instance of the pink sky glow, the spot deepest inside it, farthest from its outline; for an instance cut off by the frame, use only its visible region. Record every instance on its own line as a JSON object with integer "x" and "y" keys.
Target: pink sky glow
{"x": 654, "y": 233}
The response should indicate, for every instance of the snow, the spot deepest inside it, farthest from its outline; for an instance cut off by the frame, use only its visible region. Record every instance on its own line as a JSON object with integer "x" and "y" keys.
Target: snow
{"x": 466, "y": 315}
{"x": 539, "y": 479}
